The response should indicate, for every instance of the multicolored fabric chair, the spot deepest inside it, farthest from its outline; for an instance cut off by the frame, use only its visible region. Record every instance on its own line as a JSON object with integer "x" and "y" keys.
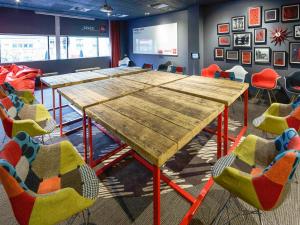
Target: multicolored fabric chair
{"x": 239, "y": 73}
{"x": 265, "y": 80}
{"x": 17, "y": 116}
{"x": 45, "y": 184}
{"x": 25, "y": 95}
{"x": 211, "y": 70}
{"x": 260, "y": 171}
{"x": 279, "y": 117}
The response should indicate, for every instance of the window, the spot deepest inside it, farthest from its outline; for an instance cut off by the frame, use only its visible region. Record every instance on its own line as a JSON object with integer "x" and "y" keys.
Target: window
{"x": 52, "y": 48}
{"x": 82, "y": 47}
{"x": 104, "y": 46}
{"x": 18, "y": 48}
{"x": 63, "y": 47}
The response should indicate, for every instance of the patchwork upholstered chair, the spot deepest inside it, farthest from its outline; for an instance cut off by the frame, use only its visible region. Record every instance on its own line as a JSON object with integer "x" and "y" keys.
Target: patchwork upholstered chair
{"x": 17, "y": 116}
{"x": 260, "y": 171}
{"x": 26, "y": 96}
{"x": 211, "y": 70}
{"x": 239, "y": 73}
{"x": 279, "y": 117}
{"x": 45, "y": 184}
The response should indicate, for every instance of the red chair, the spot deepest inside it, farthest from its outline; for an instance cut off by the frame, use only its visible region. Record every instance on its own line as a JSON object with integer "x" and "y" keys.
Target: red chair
{"x": 148, "y": 66}
{"x": 180, "y": 70}
{"x": 265, "y": 80}
{"x": 3, "y": 74}
{"x": 211, "y": 70}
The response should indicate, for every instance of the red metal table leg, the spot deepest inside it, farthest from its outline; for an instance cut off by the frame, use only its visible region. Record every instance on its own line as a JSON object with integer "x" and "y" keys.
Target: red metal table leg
{"x": 225, "y": 131}
{"x": 156, "y": 195}
{"x": 90, "y": 142}
{"x": 60, "y": 117}
{"x": 42, "y": 92}
{"x": 84, "y": 136}
{"x": 53, "y": 103}
{"x": 219, "y": 137}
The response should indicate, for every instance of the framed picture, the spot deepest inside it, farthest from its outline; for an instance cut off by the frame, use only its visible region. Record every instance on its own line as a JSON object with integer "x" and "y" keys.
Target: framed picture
{"x": 295, "y": 52}
{"x": 219, "y": 54}
{"x": 224, "y": 40}
{"x": 290, "y": 13}
{"x": 246, "y": 57}
{"x": 260, "y": 36}
{"x": 271, "y": 15}
{"x": 254, "y": 16}
{"x": 262, "y": 55}
{"x": 242, "y": 40}
{"x": 232, "y": 55}
{"x": 279, "y": 59}
{"x": 297, "y": 31}
{"x": 238, "y": 23}
{"x": 223, "y": 28}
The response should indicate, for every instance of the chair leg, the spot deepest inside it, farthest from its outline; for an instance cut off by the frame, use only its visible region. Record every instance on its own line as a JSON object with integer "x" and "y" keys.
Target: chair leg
{"x": 274, "y": 96}
{"x": 220, "y": 213}
{"x": 270, "y": 99}
{"x": 257, "y": 94}
{"x": 293, "y": 98}
{"x": 259, "y": 217}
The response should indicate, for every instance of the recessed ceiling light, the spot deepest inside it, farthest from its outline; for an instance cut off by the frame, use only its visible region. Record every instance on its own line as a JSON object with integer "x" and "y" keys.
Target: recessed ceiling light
{"x": 17, "y": 1}
{"x": 147, "y": 13}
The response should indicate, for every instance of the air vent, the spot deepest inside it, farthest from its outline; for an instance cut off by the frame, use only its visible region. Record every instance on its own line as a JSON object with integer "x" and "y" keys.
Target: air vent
{"x": 159, "y": 5}
{"x": 79, "y": 9}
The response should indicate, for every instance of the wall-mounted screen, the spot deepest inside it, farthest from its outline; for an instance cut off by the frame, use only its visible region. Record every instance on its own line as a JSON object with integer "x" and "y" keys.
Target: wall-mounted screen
{"x": 156, "y": 40}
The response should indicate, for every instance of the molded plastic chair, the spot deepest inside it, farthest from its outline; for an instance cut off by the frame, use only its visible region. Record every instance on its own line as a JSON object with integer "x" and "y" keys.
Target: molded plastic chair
{"x": 292, "y": 83}
{"x": 46, "y": 184}
{"x": 25, "y": 95}
{"x": 239, "y": 73}
{"x": 147, "y": 66}
{"x": 17, "y": 116}
{"x": 279, "y": 117}
{"x": 211, "y": 70}
{"x": 260, "y": 171}
{"x": 265, "y": 80}
{"x": 180, "y": 70}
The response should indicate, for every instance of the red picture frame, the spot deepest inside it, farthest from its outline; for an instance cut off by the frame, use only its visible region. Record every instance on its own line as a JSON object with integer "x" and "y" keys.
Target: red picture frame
{"x": 223, "y": 28}
{"x": 290, "y": 13}
{"x": 246, "y": 57}
{"x": 254, "y": 16}
{"x": 224, "y": 40}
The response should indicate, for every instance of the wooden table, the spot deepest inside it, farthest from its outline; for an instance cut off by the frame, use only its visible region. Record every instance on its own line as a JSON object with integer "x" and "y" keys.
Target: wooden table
{"x": 155, "y": 78}
{"x": 86, "y": 95}
{"x": 157, "y": 123}
{"x": 219, "y": 90}
{"x": 120, "y": 71}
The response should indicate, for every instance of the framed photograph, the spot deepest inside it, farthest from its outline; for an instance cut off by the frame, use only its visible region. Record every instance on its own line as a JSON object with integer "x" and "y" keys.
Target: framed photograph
{"x": 246, "y": 57}
{"x": 297, "y": 31}
{"x": 223, "y": 28}
{"x": 260, "y": 36}
{"x": 290, "y": 13}
{"x": 232, "y": 55}
{"x": 294, "y": 52}
{"x": 242, "y": 40}
{"x": 219, "y": 54}
{"x": 224, "y": 40}
{"x": 279, "y": 59}
{"x": 262, "y": 55}
{"x": 238, "y": 23}
{"x": 254, "y": 16}
{"x": 271, "y": 15}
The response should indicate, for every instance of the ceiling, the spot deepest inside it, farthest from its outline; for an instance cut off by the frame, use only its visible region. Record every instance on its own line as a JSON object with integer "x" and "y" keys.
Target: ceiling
{"x": 132, "y": 8}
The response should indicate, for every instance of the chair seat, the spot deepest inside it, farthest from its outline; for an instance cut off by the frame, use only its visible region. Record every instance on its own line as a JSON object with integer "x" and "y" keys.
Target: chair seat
{"x": 263, "y": 85}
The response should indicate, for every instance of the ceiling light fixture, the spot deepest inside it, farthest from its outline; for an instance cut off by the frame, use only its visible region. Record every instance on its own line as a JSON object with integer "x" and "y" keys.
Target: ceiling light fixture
{"x": 106, "y": 8}
{"x": 18, "y": 1}
{"x": 147, "y": 14}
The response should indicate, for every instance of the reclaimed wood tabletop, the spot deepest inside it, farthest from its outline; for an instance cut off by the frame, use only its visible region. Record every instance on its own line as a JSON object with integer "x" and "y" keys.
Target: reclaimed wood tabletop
{"x": 155, "y": 78}
{"x": 156, "y": 122}
{"x": 92, "y": 93}
{"x": 220, "y": 90}
{"x": 120, "y": 71}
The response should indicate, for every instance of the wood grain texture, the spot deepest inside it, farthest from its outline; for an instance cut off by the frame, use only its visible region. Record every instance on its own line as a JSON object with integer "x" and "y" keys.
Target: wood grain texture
{"x": 92, "y": 93}
{"x": 220, "y": 90}
{"x": 156, "y": 122}
{"x": 154, "y": 78}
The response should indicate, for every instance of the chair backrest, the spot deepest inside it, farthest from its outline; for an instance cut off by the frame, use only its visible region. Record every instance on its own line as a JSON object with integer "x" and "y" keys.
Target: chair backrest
{"x": 293, "y": 80}
{"x": 239, "y": 72}
{"x": 211, "y": 70}
{"x": 267, "y": 75}
{"x": 12, "y": 105}
{"x": 293, "y": 120}
{"x": 147, "y": 66}
{"x": 180, "y": 70}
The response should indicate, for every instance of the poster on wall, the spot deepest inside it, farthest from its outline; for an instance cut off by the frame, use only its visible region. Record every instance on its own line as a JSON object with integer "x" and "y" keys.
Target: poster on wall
{"x": 260, "y": 36}
{"x": 219, "y": 53}
{"x": 271, "y": 15}
{"x": 295, "y": 52}
{"x": 246, "y": 57}
{"x": 232, "y": 55}
{"x": 242, "y": 40}
{"x": 262, "y": 55}
{"x": 254, "y": 16}
{"x": 297, "y": 31}
{"x": 279, "y": 58}
{"x": 290, "y": 13}
{"x": 156, "y": 40}
{"x": 223, "y": 28}
{"x": 238, "y": 23}
{"x": 224, "y": 40}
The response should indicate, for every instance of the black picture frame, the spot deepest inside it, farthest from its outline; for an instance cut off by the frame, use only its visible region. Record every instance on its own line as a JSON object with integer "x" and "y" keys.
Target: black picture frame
{"x": 297, "y": 30}
{"x": 276, "y": 13}
{"x": 268, "y": 55}
{"x": 283, "y": 19}
{"x": 242, "y": 60}
{"x": 224, "y": 45}
{"x": 232, "y": 59}
{"x": 294, "y": 53}
{"x": 275, "y": 64}
{"x": 233, "y": 29}
{"x": 221, "y": 33}
{"x": 263, "y": 42}
{"x": 219, "y": 57}
{"x": 248, "y": 16}
{"x": 237, "y": 39}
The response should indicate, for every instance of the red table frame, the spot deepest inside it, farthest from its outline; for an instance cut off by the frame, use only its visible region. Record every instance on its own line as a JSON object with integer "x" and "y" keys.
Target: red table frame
{"x": 158, "y": 175}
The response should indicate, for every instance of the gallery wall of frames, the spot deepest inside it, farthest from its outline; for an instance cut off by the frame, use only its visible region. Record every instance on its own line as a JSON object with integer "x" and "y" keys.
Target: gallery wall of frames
{"x": 257, "y": 34}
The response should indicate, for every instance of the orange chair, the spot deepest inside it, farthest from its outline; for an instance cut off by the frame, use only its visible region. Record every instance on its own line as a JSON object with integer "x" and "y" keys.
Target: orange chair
{"x": 265, "y": 80}
{"x": 3, "y": 74}
{"x": 211, "y": 70}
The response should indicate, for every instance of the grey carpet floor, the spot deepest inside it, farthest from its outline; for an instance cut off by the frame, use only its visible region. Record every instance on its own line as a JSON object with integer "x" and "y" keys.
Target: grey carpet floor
{"x": 125, "y": 195}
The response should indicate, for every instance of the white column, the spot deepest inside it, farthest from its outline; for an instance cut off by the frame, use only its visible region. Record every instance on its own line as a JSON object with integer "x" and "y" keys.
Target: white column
{"x": 57, "y": 36}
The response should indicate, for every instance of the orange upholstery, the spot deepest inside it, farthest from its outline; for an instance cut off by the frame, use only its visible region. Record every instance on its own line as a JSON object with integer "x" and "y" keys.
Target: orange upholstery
{"x": 266, "y": 79}
{"x": 211, "y": 70}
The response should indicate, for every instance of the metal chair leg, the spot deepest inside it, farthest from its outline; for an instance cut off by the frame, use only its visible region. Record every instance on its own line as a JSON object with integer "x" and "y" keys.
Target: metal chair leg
{"x": 220, "y": 213}
{"x": 259, "y": 216}
{"x": 270, "y": 99}
{"x": 257, "y": 94}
